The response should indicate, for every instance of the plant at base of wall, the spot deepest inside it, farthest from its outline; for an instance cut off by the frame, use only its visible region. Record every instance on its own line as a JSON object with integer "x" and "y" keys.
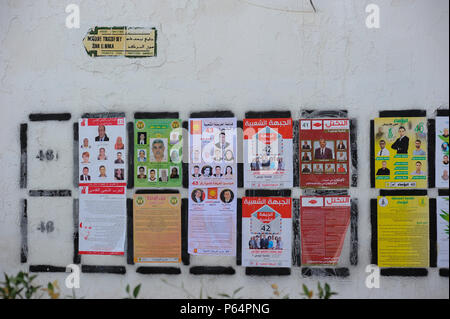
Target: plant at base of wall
{"x": 323, "y": 293}
{"x": 135, "y": 292}
{"x": 18, "y": 287}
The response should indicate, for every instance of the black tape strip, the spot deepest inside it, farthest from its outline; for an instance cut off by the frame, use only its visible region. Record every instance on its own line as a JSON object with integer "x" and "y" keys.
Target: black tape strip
{"x": 50, "y": 193}
{"x": 404, "y": 272}
{"x": 431, "y": 153}
{"x": 158, "y": 270}
{"x": 240, "y": 157}
{"x": 296, "y": 153}
{"x": 403, "y": 192}
{"x": 130, "y": 130}
{"x": 296, "y": 240}
{"x": 46, "y": 268}
{"x": 156, "y": 115}
{"x": 239, "y": 232}
{"x": 325, "y": 272}
{"x": 433, "y": 232}
{"x": 76, "y": 236}
{"x": 212, "y": 114}
{"x": 157, "y": 191}
{"x": 403, "y": 113}
{"x": 24, "y": 233}
{"x": 308, "y": 114}
{"x": 443, "y": 272}
{"x": 76, "y": 156}
{"x": 374, "y": 228}
{"x": 443, "y": 192}
{"x": 354, "y": 232}
{"x": 130, "y": 236}
{"x": 96, "y": 269}
{"x": 185, "y": 164}
{"x": 185, "y": 257}
{"x": 23, "y": 154}
{"x": 372, "y": 154}
{"x": 35, "y": 117}
{"x": 354, "y": 152}
{"x": 102, "y": 115}
{"x": 268, "y": 192}
{"x": 267, "y": 114}
{"x": 212, "y": 270}
{"x": 261, "y": 271}
{"x": 442, "y": 112}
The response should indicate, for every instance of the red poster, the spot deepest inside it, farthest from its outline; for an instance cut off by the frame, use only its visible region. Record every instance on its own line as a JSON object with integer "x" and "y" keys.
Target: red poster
{"x": 324, "y": 153}
{"x": 324, "y": 221}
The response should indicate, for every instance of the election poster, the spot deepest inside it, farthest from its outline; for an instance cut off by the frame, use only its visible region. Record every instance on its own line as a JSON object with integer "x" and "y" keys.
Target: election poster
{"x": 403, "y": 231}
{"x": 212, "y": 186}
{"x": 268, "y": 153}
{"x": 400, "y": 152}
{"x": 442, "y": 149}
{"x": 442, "y": 231}
{"x": 158, "y": 153}
{"x": 324, "y": 221}
{"x": 266, "y": 231}
{"x": 324, "y": 153}
{"x": 102, "y": 186}
{"x": 102, "y": 220}
{"x": 157, "y": 228}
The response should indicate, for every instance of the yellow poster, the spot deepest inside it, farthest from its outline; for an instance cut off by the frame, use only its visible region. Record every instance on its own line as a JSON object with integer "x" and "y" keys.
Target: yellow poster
{"x": 120, "y": 41}
{"x": 403, "y": 231}
{"x": 401, "y": 152}
{"x": 157, "y": 228}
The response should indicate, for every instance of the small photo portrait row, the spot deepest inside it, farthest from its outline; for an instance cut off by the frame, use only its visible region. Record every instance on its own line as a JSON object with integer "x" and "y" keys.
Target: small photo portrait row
{"x": 267, "y": 163}
{"x": 119, "y": 156}
{"x": 341, "y": 156}
{"x": 158, "y": 153}
{"x": 212, "y": 171}
{"x": 265, "y": 241}
{"x": 320, "y": 168}
{"x": 324, "y": 150}
{"x": 119, "y": 173}
{"x": 216, "y": 155}
{"x": 385, "y": 171}
{"x": 103, "y": 137}
{"x": 158, "y": 174}
{"x": 401, "y": 145}
{"x": 198, "y": 195}
{"x": 174, "y": 138}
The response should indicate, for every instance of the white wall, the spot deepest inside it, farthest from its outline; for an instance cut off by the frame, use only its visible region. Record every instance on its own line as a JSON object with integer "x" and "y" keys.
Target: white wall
{"x": 219, "y": 54}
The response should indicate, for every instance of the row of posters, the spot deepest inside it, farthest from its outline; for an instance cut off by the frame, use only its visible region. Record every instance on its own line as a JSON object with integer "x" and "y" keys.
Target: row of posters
{"x": 102, "y": 186}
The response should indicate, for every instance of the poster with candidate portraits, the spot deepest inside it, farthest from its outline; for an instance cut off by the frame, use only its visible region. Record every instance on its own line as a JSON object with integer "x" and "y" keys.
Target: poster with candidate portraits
{"x": 266, "y": 231}
{"x": 102, "y": 151}
{"x": 324, "y": 153}
{"x": 442, "y": 150}
{"x": 400, "y": 150}
{"x": 212, "y": 186}
{"x": 324, "y": 222}
{"x": 102, "y": 186}
{"x": 268, "y": 153}
{"x": 158, "y": 153}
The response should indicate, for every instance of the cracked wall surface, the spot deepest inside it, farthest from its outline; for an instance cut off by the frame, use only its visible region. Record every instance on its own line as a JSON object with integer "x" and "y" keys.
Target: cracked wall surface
{"x": 215, "y": 55}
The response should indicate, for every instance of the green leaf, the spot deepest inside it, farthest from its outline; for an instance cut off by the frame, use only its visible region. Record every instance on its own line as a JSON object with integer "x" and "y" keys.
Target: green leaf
{"x": 305, "y": 290}
{"x": 136, "y": 290}
{"x": 224, "y": 295}
{"x": 127, "y": 289}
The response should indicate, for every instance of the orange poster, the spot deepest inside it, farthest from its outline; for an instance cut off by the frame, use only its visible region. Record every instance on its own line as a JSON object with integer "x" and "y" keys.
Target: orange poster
{"x": 157, "y": 228}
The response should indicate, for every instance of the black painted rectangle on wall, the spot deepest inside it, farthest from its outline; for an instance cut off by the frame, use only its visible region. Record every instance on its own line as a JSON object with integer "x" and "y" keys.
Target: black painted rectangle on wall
{"x": 76, "y": 236}
{"x": 374, "y": 228}
{"x": 239, "y": 232}
{"x": 99, "y": 115}
{"x": 211, "y": 114}
{"x": 185, "y": 257}
{"x": 372, "y": 154}
{"x": 268, "y": 114}
{"x": 354, "y": 232}
{"x": 130, "y": 234}
{"x": 433, "y": 232}
{"x": 97, "y": 269}
{"x": 262, "y": 271}
{"x": 185, "y": 163}
{"x": 296, "y": 235}
{"x": 47, "y": 268}
{"x": 442, "y": 112}
{"x": 76, "y": 159}
{"x": 268, "y": 192}
{"x": 24, "y": 233}
{"x": 35, "y": 117}
{"x": 50, "y": 193}
{"x": 403, "y": 113}
{"x": 431, "y": 159}
{"x": 309, "y": 114}
{"x": 404, "y": 272}
{"x": 156, "y": 115}
{"x": 296, "y": 153}
{"x": 354, "y": 152}
{"x": 23, "y": 154}
{"x": 130, "y": 132}
{"x": 158, "y": 270}
{"x": 325, "y": 272}
{"x": 212, "y": 270}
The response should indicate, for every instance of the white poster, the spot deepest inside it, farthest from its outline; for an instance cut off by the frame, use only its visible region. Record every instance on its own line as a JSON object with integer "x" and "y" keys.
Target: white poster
{"x": 102, "y": 186}
{"x": 442, "y": 149}
{"x": 268, "y": 153}
{"x": 442, "y": 231}
{"x": 212, "y": 186}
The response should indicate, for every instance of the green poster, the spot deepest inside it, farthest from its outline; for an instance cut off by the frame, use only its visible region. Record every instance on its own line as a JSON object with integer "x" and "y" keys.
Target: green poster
{"x": 157, "y": 152}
